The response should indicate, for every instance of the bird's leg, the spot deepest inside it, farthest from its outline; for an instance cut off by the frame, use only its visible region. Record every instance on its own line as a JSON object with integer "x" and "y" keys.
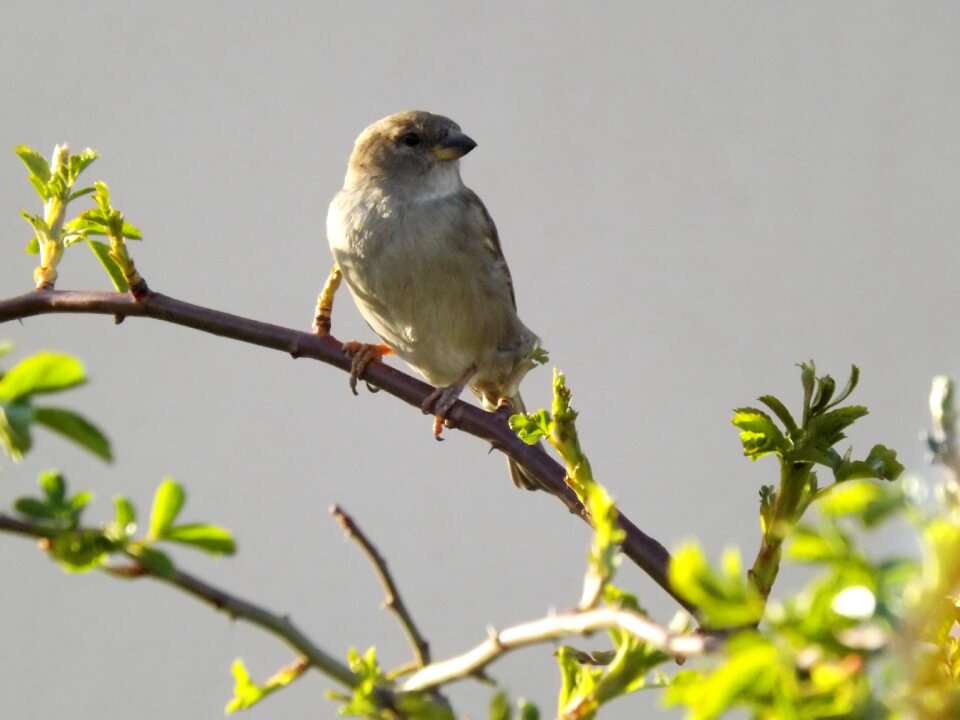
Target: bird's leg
{"x": 441, "y": 400}
{"x": 322, "y": 319}
{"x": 361, "y": 355}
{"x": 504, "y": 408}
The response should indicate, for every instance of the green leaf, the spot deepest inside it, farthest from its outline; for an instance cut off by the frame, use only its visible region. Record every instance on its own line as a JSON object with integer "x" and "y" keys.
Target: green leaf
{"x": 246, "y": 693}
{"x": 780, "y": 410}
{"x": 53, "y": 486}
{"x": 78, "y": 163}
{"x": 79, "y": 551}
{"x": 827, "y": 429}
{"x": 34, "y": 508}
{"x": 528, "y": 711}
{"x": 881, "y": 464}
{"x": 808, "y": 545}
{"x": 33, "y": 246}
{"x": 131, "y": 232}
{"x": 808, "y": 378}
{"x": 102, "y": 252}
{"x": 15, "y": 421}
{"x": 167, "y": 503}
{"x": 35, "y": 162}
{"x": 500, "y": 707}
{"x": 821, "y": 396}
{"x": 125, "y": 515}
{"x": 533, "y": 427}
{"x": 77, "y": 428}
{"x": 209, "y": 538}
{"x": 44, "y": 372}
{"x": 725, "y": 598}
{"x": 758, "y": 433}
{"x": 40, "y": 186}
{"x": 849, "y": 387}
{"x": 80, "y": 193}
{"x": 157, "y": 562}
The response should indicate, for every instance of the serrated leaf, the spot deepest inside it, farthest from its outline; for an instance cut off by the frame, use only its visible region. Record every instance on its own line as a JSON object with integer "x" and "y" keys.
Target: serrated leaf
{"x": 35, "y": 162}
{"x": 77, "y": 428}
{"x": 758, "y": 433}
{"x": 811, "y": 454}
{"x": 849, "y": 387}
{"x": 79, "y": 163}
{"x": 102, "y": 252}
{"x": 531, "y": 428}
{"x": 827, "y": 428}
{"x": 822, "y": 394}
{"x": 44, "y": 372}
{"x": 780, "y": 410}
{"x": 209, "y": 538}
{"x": 881, "y": 464}
{"x": 167, "y": 503}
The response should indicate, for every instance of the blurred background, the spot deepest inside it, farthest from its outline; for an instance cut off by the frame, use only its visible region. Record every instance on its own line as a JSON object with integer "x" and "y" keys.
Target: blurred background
{"x": 692, "y": 198}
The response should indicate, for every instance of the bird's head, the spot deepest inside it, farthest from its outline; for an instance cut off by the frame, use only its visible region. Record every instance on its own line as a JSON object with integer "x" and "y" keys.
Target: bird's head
{"x": 412, "y": 149}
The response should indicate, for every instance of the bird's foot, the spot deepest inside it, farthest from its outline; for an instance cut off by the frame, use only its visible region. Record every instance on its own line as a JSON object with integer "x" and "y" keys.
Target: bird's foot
{"x": 441, "y": 401}
{"x": 361, "y": 355}
{"x": 504, "y": 408}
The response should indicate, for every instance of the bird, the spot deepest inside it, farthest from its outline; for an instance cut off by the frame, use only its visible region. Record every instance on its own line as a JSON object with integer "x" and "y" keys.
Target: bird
{"x": 421, "y": 257}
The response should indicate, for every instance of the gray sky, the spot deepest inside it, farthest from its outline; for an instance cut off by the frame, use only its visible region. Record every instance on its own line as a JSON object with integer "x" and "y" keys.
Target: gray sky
{"x": 692, "y": 198}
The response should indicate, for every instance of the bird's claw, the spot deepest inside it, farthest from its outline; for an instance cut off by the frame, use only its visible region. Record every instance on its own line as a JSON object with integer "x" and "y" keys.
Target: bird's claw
{"x": 361, "y": 355}
{"x": 441, "y": 401}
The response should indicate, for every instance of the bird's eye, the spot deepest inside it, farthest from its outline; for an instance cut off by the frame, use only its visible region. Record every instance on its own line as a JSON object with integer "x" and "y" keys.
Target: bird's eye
{"x": 411, "y": 139}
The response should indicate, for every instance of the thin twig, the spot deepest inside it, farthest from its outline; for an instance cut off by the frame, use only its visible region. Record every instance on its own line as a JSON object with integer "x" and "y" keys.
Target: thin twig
{"x": 642, "y": 549}
{"x": 393, "y": 600}
{"x": 552, "y": 628}
{"x": 235, "y": 607}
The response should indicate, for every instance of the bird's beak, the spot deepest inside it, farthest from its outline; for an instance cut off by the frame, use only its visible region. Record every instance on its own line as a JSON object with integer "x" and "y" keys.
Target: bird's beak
{"x": 453, "y": 147}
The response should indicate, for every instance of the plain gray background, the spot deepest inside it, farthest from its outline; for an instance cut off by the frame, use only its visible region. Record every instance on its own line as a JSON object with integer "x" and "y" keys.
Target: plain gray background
{"x": 692, "y": 198}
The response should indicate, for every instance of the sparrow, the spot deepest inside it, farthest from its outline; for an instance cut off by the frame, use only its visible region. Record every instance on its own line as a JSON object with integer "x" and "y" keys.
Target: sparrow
{"x": 421, "y": 257}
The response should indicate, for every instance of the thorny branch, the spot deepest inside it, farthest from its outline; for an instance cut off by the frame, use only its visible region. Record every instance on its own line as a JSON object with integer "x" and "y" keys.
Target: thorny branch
{"x": 235, "y": 607}
{"x": 555, "y": 627}
{"x": 393, "y": 601}
{"x": 642, "y": 549}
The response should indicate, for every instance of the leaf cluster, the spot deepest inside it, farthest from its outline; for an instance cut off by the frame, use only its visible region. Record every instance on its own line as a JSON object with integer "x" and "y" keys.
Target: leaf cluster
{"x": 44, "y": 373}
{"x": 57, "y": 516}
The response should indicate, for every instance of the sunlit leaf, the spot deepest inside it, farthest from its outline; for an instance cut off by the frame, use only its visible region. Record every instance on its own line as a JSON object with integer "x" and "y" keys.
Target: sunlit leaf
{"x": 35, "y": 162}
{"x": 167, "y": 503}
{"x": 44, "y": 372}
{"x": 209, "y": 538}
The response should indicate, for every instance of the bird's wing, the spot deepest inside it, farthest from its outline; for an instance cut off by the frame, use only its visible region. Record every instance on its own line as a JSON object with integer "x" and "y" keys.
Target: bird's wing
{"x": 491, "y": 240}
